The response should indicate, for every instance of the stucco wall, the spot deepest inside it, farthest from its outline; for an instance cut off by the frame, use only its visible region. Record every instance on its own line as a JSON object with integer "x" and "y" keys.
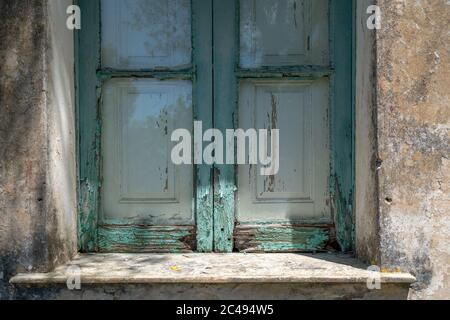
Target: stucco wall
{"x": 366, "y": 144}
{"x": 37, "y": 138}
{"x": 413, "y": 101}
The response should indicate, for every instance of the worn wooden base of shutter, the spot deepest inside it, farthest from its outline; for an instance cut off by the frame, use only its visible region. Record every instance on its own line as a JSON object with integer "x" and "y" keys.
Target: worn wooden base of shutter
{"x": 142, "y": 239}
{"x": 283, "y": 238}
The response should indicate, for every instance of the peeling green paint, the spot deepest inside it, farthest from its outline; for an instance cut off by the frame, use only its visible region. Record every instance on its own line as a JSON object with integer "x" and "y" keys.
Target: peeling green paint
{"x": 225, "y": 26}
{"x": 88, "y": 47}
{"x": 87, "y": 217}
{"x": 141, "y": 239}
{"x": 344, "y": 220}
{"x": 224, "y": 194}
{"x": 204, "y": 214}
{"x": 203, "y": 102}
{"x": 341, "y": 117}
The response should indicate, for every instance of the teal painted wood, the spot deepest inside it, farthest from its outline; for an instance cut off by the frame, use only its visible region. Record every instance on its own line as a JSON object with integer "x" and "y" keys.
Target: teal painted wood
{"x": 342, "y": 163}
{"x": 203, "y": 102}
{"x": 142, "y": 239}
{"x": 281, "y": 238}
{"x": 225, "y": 106}
{"x": 88, "y": 124}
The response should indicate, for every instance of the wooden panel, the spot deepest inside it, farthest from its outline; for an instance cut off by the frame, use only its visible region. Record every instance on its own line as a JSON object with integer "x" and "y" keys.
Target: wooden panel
{"x": 146, "y": 34}
{"x": 140, "y": 179}
{"x": 142, "y": 239}
{"x": 299, "y": 191}
{"x": 283, "y": 32}
{"x": 281, "y": 238}
{"x": 288, "y": 108}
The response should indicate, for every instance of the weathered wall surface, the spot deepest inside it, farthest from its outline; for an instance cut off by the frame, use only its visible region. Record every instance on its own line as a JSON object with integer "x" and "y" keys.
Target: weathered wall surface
{"x": 243, "y": 291}
{"x": 413, "y": 93}
{"x": 37, "y": 172}
{"x": 366, "y": 145}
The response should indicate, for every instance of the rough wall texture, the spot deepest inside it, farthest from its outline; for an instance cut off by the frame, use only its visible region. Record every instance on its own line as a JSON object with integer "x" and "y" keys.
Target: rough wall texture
{"x": 413, "y": 96}
{"x": 366, "y": 145}
{"x": 36, "y": 165}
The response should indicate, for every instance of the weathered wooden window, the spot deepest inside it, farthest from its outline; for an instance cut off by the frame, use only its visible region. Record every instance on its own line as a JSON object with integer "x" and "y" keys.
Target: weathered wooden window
{"x": 148, "y": 67}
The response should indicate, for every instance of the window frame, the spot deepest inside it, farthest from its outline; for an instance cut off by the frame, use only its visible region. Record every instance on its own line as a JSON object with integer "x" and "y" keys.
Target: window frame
{"x": 215, "y": 185}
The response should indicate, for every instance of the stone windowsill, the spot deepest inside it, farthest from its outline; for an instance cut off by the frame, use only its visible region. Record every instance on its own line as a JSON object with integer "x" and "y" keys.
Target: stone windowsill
{"x": 213, "y": 269}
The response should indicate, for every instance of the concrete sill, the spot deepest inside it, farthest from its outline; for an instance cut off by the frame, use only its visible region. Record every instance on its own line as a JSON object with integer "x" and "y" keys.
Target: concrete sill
{"x": 102, "y": 269}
